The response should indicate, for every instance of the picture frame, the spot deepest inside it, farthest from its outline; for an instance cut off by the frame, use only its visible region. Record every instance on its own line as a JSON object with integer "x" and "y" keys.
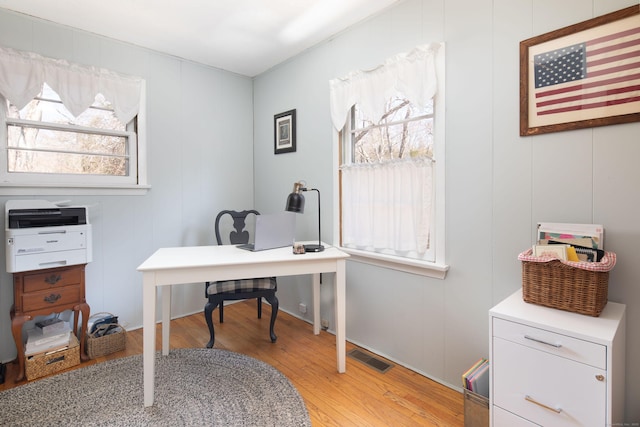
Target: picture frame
{"x": 284, "y": 132}
{"x": 600, "y": 63}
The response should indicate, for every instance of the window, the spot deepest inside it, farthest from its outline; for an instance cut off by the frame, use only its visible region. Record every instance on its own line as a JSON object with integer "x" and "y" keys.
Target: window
{"x": 391, "y": 172}
{"x": 405, "y": 131}
{"x": 387, "y": 181}
{"x": 44, "y": 138}
{"x": 66, "y": 125}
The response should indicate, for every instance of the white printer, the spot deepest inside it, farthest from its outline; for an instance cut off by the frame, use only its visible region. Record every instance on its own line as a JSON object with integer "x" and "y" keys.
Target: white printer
{"x": 40, "y": 234}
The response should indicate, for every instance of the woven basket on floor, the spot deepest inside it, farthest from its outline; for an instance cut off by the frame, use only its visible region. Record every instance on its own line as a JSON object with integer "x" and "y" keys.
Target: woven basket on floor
{"x": 39, "y": 365}
{"x": 102, "y": 345}
{"x": 571, "y": 286}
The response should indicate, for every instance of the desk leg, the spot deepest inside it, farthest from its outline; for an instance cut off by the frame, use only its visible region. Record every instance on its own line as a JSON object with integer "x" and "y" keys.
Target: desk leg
{"x": 148, "y": 335}
{"x": 165, "y": 294}
{"x": 340, "y": 295}
{"x": 316, "y": 304}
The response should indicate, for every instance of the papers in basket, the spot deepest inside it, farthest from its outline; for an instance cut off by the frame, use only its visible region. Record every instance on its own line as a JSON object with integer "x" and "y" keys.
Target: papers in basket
{"x": 39, "y": 342}
{"x": 573, "y": 242}
{"x": 587, "y": 235}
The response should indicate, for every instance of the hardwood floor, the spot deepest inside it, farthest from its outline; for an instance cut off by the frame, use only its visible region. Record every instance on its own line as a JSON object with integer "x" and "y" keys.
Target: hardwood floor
{"x": 360, "y": 397}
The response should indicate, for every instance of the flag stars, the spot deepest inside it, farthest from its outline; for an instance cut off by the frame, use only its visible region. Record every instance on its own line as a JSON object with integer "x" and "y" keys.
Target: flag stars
{"x": 560, "y": 65}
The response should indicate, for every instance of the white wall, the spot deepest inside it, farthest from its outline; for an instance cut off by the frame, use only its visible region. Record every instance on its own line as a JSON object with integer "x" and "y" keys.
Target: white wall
{"x": 498, "y": 185}
{"x": 200, "y": 144}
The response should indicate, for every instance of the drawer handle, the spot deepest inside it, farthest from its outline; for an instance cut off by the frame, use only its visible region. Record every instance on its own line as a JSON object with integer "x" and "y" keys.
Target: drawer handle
{"x": 532, "y": 400}
{"x": 542, "y": 342}
{"x": 53, "y": 279}
{"x": 52, "y": 298}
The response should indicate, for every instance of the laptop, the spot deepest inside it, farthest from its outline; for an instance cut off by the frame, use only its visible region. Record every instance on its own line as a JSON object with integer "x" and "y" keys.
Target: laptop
{"x": 273, "y": 231}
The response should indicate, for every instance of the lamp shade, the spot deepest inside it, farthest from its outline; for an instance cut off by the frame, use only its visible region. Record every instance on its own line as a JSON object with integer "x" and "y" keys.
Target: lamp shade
{"x": 295, "y": 201}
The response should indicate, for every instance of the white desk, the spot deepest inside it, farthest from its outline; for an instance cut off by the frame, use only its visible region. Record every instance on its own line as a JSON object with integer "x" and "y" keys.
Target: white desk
{"x": 175, "y": 266}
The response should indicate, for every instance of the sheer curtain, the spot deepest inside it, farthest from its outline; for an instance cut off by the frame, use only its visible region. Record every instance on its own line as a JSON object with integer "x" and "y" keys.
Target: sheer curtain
{"x": 22, "y": 75}
{"x": 387, "y": 207}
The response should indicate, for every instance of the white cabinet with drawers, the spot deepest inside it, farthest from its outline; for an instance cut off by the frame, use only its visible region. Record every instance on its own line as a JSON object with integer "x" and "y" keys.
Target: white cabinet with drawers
{"x": 555, "y": 368}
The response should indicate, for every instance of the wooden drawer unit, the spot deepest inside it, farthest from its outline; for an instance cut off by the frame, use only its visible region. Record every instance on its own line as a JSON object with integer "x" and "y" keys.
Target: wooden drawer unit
{"x": 49, "y": 290}
{"x": 555, "y": 368}
{"x": 43, "y": 292}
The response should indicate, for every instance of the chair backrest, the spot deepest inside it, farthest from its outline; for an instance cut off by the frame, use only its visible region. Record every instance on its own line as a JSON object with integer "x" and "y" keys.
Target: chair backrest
{"x": 238, "y": 235}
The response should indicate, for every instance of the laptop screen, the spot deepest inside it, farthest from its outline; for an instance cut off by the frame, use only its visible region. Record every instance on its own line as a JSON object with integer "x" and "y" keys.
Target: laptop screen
{"x": 274, "y": 231}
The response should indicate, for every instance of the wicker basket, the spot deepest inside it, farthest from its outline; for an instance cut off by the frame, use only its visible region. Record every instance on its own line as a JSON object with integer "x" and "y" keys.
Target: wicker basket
{"x": 570, "y": 286}
{"x": 102, "y": 345}
{"x": 40, "y": 365}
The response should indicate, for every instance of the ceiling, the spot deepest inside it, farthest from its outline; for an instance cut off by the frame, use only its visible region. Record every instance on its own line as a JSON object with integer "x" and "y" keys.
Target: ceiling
{"x": 246, "y": 37}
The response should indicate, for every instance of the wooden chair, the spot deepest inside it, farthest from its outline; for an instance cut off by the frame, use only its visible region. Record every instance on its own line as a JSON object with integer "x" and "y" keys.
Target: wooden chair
{"x": 219, "y": 292}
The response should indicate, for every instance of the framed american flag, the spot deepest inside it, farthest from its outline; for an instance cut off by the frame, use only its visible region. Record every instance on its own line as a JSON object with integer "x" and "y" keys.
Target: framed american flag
{"x": 584, "y": 75}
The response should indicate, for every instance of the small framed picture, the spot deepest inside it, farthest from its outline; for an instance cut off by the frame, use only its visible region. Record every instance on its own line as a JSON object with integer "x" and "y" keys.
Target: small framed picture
{"x": 284, "y": 129}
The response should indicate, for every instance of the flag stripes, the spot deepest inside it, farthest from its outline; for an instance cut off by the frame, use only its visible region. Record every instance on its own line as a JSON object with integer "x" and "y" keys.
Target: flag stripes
{"x": 601, "y": 72}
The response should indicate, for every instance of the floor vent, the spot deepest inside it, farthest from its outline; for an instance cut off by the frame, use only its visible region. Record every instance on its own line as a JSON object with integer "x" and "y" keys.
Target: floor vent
{"x": 371, "y": 361}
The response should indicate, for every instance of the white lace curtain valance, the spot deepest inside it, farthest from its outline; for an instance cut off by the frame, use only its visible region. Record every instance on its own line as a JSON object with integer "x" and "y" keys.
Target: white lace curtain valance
{"x": 412, "y": 75}
{"x": 22, "y": 75}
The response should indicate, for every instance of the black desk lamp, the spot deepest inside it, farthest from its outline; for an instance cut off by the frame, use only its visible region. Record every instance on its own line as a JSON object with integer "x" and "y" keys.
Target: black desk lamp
{"x": 295, "y": 203}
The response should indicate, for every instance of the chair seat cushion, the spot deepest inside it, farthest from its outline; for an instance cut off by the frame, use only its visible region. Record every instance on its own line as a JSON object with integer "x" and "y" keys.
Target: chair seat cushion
{"x": 244, "y": 285}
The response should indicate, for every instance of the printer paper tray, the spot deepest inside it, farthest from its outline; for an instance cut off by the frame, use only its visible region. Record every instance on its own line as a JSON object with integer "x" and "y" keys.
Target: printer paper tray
{"x": 48, "y": 260}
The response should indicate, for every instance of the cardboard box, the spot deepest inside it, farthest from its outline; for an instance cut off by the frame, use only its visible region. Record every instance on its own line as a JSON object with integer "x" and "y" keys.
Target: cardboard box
{"x": 42, "y": 364}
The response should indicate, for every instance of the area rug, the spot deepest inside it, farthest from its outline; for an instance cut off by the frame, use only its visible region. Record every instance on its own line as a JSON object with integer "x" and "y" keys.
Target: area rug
{"x": 194, "y": 387}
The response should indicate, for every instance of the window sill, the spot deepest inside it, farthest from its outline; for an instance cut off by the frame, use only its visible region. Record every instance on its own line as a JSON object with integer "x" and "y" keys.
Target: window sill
{"x": 422, "y": 268}
{"x": 72, "y": 190}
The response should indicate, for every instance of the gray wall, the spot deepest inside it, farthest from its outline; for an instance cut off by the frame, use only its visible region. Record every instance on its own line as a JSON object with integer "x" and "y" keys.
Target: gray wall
{"x": 498, "y": 185}
{"x": 199, "y": 132}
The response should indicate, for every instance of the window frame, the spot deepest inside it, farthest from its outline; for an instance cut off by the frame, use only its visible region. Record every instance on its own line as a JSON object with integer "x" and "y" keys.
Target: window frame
{"x": 435, "y": 269}
{"x": 69, "y": 184}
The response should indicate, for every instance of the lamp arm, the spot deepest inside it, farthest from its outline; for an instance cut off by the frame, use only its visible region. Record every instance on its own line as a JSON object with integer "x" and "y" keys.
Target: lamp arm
{"x": 319, "y": 221}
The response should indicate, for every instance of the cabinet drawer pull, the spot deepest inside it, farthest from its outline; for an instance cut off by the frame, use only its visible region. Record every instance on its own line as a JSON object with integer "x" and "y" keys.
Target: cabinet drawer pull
{"x": 53, "y": 279}
{"x": 52, "y": 298}
{"x": 532, "y": 400}
{"x": 542, "y": 342}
